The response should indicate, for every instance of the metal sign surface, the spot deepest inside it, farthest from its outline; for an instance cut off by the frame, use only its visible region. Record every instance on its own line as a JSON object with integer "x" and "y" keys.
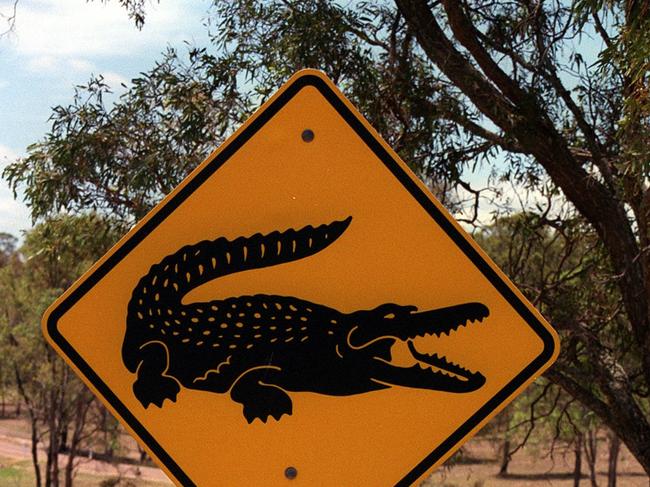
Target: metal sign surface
{"x": 300, "y": 311}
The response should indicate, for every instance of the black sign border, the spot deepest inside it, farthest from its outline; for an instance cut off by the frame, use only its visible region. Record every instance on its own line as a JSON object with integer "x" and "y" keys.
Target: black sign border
{"x": 213, "y": 165}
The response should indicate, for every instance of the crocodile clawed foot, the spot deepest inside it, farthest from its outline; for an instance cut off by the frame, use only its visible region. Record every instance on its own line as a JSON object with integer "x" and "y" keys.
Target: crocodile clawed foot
{"x": 260, "y": 397}
{"x": 154, "y": 390}
{"x": 273, "y": 405}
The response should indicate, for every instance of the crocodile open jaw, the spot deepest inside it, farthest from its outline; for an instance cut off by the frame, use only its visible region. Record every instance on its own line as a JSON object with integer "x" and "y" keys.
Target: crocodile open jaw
{"x": 438, "y": 364}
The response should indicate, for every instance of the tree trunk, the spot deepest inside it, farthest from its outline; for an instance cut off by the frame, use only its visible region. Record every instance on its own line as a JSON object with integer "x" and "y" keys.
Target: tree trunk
{"x": 33, "y": 424}
{"x": 108, "y": 443}
{"x": 34, "y": 437}
{"x": 505, "y": 457}
{"x": 83, "y": 404}
{"x": 52, "y": 469}
{"x": 591, "y": 452}
{"x": 577, "y": 467}
{"x": 612, "y": 464}
{"x": 4, "y": 404}
{"x": 69, "y": 471}
{"x": 519, "y": 114}
{"x": 69, "y": 466}
{"x": 63, "y": 442}
{"x": 143, "y": 454}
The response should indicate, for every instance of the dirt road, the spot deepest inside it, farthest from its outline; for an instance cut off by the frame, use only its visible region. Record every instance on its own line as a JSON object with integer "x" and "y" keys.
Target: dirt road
{"x": 15, "y": 448}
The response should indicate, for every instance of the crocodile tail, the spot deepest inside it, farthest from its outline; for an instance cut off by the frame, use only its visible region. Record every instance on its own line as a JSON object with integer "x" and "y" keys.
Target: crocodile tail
{"x": 193, "y": 265}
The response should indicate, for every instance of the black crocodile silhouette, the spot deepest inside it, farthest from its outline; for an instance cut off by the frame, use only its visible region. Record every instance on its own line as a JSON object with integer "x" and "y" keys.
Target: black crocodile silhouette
{"x": 261, "y": 347}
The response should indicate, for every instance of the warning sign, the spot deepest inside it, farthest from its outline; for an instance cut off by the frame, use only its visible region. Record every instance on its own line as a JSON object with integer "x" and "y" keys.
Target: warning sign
{"x": 300, "y": 311}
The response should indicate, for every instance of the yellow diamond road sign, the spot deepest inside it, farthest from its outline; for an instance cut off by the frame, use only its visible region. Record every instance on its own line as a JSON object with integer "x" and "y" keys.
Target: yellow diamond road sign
{"x": 300, "y": 311}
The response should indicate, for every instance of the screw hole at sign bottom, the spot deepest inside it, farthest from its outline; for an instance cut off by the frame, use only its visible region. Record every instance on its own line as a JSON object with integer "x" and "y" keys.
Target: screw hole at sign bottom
{"x": 307, "y": 135}
{"x": 290, "y": 473}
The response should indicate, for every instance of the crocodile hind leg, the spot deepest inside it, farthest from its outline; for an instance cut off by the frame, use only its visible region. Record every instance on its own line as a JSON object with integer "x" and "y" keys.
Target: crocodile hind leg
{"x": 152, "y": 385}
{"x": 260, "y": 397}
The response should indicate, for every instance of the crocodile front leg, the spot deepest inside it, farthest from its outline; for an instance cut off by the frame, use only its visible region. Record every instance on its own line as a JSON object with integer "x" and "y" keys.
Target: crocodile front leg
{"x": 152, "y": 385}
{"x": 256, "y": 391}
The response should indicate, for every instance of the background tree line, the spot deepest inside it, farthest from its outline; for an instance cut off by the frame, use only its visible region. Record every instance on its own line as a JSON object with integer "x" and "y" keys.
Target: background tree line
{"x": 548, "y": 97}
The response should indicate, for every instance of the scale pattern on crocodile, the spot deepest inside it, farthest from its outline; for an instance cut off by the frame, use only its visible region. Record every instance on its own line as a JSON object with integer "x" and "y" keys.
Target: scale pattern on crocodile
{"x": 261, "y": 348}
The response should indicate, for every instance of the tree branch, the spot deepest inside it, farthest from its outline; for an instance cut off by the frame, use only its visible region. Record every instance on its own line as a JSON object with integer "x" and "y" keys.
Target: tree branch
{"x": 476, "y": 129}
{"x": 454, "y": 65}
{"x": 10, "y": 19}
{"x": 577, "y": 390}
{"x": 464, "y": 31}
{"x": 531, "y": 126}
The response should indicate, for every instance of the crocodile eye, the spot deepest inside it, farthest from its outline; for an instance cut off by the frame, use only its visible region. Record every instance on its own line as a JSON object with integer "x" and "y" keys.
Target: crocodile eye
{"x": 389, "y": 316}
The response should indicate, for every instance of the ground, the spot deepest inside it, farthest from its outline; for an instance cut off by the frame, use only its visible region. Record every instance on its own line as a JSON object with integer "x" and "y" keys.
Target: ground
{"x": 16, "y": 468}
{"x": 532, "y": 467}
{"x": 478, "y": 466}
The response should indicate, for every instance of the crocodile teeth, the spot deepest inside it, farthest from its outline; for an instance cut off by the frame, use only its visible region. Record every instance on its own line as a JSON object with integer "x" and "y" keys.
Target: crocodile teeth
{"x": 455, "y": 317}
{"x": 440, "y": 362}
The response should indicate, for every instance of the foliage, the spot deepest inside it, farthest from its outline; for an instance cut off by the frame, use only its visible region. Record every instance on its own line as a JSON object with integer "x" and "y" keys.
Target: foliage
{"x": 59, "y": 406}
{"x": 451, "y": 85}
{"x": 135, "y": 9}
{"x": 123, "y": 159}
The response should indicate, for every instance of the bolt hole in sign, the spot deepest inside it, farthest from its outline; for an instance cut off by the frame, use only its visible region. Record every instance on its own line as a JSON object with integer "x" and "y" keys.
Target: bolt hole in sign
{"x": 300, "y": 310}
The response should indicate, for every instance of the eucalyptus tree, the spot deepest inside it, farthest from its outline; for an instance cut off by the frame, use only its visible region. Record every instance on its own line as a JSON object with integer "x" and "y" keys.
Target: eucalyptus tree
{"x": 549, "y": 95}
{"x": 59, "y": 407}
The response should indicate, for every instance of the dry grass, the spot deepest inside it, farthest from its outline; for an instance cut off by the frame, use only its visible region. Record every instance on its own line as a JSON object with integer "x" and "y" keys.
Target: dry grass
{"x": 531, "y": 467}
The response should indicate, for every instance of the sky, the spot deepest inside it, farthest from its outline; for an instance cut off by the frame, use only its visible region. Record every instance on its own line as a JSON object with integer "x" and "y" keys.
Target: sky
{"x": 58, "y": 44}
